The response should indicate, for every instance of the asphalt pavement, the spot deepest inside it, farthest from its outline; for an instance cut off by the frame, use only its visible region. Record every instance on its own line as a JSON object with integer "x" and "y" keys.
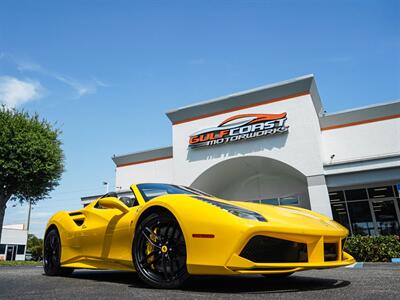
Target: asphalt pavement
{"x": 370, "y": 282}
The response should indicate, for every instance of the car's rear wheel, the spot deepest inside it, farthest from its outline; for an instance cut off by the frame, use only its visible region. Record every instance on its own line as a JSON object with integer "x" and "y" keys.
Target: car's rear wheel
{"x": 52, "y": 255}
{"x": 159, "y": 251}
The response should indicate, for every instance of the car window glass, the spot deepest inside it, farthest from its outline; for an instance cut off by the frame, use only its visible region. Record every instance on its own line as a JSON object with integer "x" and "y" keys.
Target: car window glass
{"x": 152, "y": 190}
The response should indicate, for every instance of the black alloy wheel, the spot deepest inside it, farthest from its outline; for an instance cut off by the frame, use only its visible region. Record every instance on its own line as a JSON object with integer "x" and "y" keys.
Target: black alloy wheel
{"x": 159, "y": 251}
{"x": 52, "y": 255}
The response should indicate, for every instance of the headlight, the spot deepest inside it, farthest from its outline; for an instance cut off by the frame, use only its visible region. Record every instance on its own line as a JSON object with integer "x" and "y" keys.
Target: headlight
{"x": 235, "y": 210}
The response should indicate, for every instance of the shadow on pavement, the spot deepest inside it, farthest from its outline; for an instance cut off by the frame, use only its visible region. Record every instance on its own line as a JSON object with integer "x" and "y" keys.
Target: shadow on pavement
{"x": 260, "y": 284}
{"x": 128, "y": 278}
{"x": 224, "y": 284}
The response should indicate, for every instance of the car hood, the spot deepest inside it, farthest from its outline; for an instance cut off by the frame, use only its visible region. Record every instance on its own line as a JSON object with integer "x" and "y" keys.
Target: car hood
{"x": 291, "y": 216}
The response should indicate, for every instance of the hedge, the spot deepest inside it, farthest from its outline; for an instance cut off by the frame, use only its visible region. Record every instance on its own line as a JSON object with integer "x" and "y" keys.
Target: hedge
{"x": 373, "y": 248}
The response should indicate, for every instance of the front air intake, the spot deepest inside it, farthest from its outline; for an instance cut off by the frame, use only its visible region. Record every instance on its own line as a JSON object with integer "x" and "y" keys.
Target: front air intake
{"x": 330, "y": 252}
{"x": 264, "y": 249}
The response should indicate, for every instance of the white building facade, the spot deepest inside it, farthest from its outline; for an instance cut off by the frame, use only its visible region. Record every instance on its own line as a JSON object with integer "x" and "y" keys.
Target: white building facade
{"x": 276, "y": 145}
{"x": 13, "y": 242}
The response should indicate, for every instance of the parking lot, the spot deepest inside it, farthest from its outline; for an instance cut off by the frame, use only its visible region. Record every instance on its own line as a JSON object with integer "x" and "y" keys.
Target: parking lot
{"x": 373, "y": 282}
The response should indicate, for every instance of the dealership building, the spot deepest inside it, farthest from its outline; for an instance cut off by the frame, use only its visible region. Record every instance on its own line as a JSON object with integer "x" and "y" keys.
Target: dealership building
{"x": 13, "y": 242}
{"x": 276, "y": 145}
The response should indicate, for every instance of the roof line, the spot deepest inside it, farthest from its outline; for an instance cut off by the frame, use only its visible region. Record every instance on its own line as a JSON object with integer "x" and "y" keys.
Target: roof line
{"x": 144, "y": 161}
{"x": 361, "y": 108}
{"x": 142, "y": 156}
{"x": 360, "y": 122}
{"x": 249, "y": 98}
{"x": 361, "y": 115}
{"x": 241, "y": 93}
{"x": 139, "y": 152}
{"x": 243, "y": 107}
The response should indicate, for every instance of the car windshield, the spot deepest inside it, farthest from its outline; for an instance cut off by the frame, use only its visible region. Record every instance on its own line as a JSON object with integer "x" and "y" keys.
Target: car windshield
{"x": 152, "y": 190}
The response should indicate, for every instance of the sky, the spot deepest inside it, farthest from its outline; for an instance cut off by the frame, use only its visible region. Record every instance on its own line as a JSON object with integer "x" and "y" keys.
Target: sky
{"x": 105, "y": 72}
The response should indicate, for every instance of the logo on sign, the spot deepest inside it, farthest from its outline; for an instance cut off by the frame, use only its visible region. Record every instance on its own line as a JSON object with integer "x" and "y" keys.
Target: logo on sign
{"x": 240, "y": 127}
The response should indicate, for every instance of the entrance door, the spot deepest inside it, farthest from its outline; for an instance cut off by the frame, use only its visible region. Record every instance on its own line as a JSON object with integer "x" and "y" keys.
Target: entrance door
{"x": 11, "y": 252}
{"x": 386, "y": 213}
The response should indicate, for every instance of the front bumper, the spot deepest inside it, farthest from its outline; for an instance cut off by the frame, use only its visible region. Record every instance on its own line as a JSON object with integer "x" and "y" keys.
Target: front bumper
{"x": 315, "y": 255}
{"x": 240, "y": 265}
{"x": 223, "y": 254}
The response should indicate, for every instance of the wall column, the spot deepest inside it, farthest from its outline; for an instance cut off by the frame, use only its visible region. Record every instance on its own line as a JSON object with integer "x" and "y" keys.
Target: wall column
{"x": 319, "y": 196}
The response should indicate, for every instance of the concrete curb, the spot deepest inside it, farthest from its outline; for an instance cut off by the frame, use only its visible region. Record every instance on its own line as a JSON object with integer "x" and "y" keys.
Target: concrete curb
{"x": 377, "y": 265}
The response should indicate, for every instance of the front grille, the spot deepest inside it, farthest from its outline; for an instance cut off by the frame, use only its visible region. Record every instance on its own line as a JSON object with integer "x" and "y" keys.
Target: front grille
{"x": 263, "y": 249}
{"x": 330, "y": 252}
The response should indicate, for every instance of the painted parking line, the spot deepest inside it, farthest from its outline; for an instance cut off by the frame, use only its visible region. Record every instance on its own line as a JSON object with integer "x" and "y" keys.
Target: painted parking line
{"x": 357, "y": 265}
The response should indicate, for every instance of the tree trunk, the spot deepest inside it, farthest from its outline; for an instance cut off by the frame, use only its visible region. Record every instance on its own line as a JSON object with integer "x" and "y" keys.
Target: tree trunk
{"x": 3, "y": 202}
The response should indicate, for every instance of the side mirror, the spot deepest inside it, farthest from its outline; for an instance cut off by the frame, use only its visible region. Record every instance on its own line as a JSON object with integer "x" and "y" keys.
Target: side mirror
{"x": 110, "y": 202}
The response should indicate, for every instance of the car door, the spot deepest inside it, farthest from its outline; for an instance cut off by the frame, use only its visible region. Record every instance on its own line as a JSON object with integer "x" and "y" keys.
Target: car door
{"x": 120, "y": 246}
{"x": 98, "y": 230}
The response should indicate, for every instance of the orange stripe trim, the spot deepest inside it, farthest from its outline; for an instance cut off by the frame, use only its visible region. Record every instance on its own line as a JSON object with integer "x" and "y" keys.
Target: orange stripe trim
{"x": 360, "y": 122}
{"x": 144, "y": 161}
{"x": 242, "y": 107}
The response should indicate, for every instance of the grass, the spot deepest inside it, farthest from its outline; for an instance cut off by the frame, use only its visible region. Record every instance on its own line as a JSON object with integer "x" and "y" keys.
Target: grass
{"x": 15, "y": 263}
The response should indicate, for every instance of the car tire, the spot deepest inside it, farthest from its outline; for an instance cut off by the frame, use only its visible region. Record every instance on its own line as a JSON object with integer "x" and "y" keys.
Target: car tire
{"x": 52, "y": 255}
{"x": 159, "y": 251}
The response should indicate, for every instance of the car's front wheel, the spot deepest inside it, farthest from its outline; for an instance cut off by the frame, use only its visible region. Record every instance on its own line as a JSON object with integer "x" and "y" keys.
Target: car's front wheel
{"x": 52, "y": 255}
{"x": 159, "y": 251}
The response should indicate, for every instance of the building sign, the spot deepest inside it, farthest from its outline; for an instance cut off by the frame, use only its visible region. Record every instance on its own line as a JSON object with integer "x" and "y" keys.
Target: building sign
{"x": 238, "y": 128}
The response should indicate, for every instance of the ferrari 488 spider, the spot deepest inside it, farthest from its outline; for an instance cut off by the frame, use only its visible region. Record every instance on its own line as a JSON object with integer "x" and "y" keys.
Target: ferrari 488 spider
{"x": 167, "y": 232}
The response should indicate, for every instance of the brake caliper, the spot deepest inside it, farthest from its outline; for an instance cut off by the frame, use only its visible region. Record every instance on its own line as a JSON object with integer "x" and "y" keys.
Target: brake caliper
{"x": 150, "y": 248}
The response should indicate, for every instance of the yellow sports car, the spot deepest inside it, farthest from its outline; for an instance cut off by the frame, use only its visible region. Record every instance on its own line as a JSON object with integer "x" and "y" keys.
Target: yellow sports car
{"x": 166, "y": 232}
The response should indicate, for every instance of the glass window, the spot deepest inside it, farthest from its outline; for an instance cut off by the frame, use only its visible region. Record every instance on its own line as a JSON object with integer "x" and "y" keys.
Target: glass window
{"x": 386, "y": 217}
{"x": 21, "y": 249}
{"x": 289, "y": 201}
{"x": 339, "y": 212}
{"x": 358, "y": 194}
{"x": 366, "y": 205}
{"x": 336, "y": 196}
{"x": 128, "y": 198}
{"x": 270, "y": 201}
{"x": 127, "y": 194}
{"x": 152, "y": 190}
{"x": 380, "y": 192}
{"x": 361, "y": 218}
{"x": 2, "y": 248}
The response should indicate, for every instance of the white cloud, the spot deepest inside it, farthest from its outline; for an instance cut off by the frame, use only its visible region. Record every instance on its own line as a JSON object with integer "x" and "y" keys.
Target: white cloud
{"x": 81, "y": 88}
{"x": 14, "y": 92}
{"x": 29, "y": 66}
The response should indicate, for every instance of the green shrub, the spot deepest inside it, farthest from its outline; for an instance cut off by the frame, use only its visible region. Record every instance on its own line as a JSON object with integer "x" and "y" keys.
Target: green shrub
{"x": 373, "y": 248}
{"x": 35, "y": 246}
